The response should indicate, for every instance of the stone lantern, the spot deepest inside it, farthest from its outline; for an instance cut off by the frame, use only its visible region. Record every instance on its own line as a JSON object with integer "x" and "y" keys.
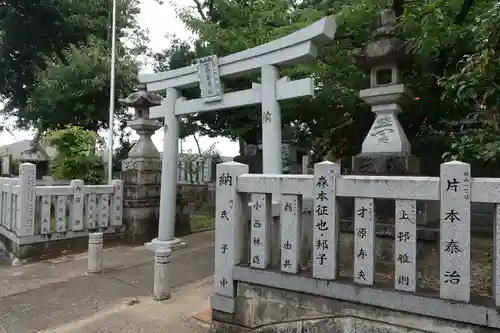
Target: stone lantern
{"x": 141, "y": 171}
{"x": 141, "y": 100}
{"x": 386, "y": 149}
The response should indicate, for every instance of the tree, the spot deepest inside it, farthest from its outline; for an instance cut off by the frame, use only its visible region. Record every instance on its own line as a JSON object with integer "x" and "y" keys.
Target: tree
{"x": 54, "y": 67}
{"x": 455, "y": 70}
{"x": 76, "y": 90}
{"x": 76, "y": 158}
{"x": 223, "y": 28}
{"x": 458, "y": 43}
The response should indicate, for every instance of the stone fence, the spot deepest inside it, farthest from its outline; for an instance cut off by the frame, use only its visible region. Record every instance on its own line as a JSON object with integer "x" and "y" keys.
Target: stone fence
{"x": 195, "y": 172}
{"x": 35, "y": 219}
{"x": 289, "y": 261}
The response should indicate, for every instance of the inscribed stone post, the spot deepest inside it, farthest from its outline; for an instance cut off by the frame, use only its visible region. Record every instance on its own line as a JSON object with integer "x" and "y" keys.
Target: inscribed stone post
{"x": 91, "y": 211}
{"x": 45, "y": 214}
{"x": 260, "y": 242}
{"x": 117, "y": 203}
{"x": 11, "y": 223}
{"x": 104, "y": 211}
{"x": 455, "y": 185}
{"x": 230, "y": 218}
{"x": 364, "y": 241}
{"x": 25, "y": 225}
{"x": 496, "y": 255}
{"x": 405, "y": 245}
{"x": 291, "y": 232}
{"x": 60, "y": 216}
{"x": 77, "y": 205}
{"x": 326, "y": 221}
{"x": 2, "y": 205}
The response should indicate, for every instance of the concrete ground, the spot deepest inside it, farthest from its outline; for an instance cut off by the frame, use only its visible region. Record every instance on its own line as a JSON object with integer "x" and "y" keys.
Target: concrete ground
{"x": 58, "y": 296}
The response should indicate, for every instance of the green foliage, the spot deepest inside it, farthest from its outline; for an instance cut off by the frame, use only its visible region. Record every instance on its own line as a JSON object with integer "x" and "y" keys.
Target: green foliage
{"x": 480, "y": 143}
{"x": 80, "y": 83}
{"x": 456, "y": 69}
{"x": 459, "y": 48}
{"x": 89, "y": 168}
{"x": 54, "y": 61}
{"x": 76, "y": 158}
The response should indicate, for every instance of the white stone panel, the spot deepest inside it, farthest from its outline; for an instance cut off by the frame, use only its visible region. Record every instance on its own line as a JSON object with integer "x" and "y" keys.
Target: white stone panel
{"x": 26, "y": 216}
{"x": 455, "y": 231}
{"x": 8, "y": 207}
{"x": 104, "y": 211}
{"x": 91, "y": 211}
{"x": 326, "y": 221}
{"x": 260, "y": 235}
{"x": 364, "y": 241}
{"x": 2, "y": 206}
{"x": 291, "y": 232}
{"x": 117, "y": 204}
{"x": 77, "y": 205}
{"x": 231, "y": 216}
{"x": 405, "y": 256}
{"x": 60, "y": 215}
{"x": 496, "y": 255}
{"x": 45, "y": 214}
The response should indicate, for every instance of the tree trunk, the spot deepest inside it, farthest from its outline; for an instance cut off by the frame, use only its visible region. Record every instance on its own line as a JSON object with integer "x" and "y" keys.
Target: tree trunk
{"x": 242, "y": 146}
{"x": 197, "y": 145}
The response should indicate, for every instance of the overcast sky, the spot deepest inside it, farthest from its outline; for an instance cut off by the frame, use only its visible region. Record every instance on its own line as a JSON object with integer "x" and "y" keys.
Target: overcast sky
{"x": 159, "y": 20}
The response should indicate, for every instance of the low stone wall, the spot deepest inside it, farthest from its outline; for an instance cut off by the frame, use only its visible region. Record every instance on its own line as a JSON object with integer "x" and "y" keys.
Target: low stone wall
{"x": 13, "y": 251}
{"x": 268, "y": 310}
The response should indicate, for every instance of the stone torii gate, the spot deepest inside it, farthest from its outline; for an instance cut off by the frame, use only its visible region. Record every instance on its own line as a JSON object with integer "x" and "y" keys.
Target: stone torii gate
{"x": 299, "y": 46}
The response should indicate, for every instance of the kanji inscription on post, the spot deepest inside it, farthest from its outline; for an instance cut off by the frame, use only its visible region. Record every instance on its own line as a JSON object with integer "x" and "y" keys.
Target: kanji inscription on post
{"x": 104, "y": 211}
{"x": 455, "y": 185}
{"x": 91, "y": 211}
{"x": 228, "y": 227}
{"x": 77, "y": 205}
{"x": 261, "y": 219}
{"x": 291, "y": 232}
{"x": 326, "y": 221}
{"x": 405, "y": 256}
{"x": 496, "y": 255}
{"x": 117, "y": 204}
{"x": 25, "y": 215}
{"x": 60, "y": 216}
{"x": 364, "y": 241}
{"x": 45, "y": 214}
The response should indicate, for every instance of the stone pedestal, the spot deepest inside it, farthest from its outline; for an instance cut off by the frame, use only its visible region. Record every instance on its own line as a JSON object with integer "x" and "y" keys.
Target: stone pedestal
{"x": 377, "y": 164}
{"x": 390, "y": 165}
{"x": 141, "y": 199}
{"x": 385, "y": 165}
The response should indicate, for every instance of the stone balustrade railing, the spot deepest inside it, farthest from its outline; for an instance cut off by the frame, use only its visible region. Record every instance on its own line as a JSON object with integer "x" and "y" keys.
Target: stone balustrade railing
{"x": 30, "y": 213}
{"x": 308, "y": 258}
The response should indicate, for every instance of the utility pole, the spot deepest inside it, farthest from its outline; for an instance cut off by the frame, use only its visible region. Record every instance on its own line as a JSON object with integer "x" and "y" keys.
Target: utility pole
{"x": 112, "y": 94}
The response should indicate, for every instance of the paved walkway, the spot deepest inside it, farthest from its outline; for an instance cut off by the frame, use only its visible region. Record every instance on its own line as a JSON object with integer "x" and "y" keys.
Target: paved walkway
{"x": 58, "y": 296}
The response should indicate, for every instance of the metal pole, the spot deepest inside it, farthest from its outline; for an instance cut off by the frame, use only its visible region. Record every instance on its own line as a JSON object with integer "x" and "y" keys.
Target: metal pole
{"x": 112, "y": 94}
